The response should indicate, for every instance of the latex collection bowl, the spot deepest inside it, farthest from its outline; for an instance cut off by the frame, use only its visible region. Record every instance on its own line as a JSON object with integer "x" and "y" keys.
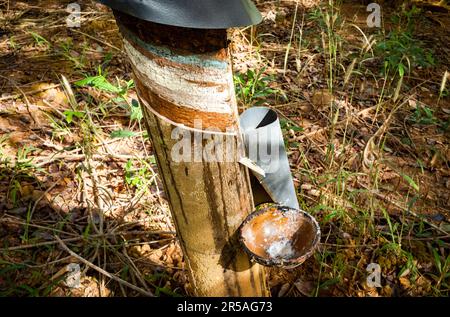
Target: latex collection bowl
{"x": 279, "y": 236}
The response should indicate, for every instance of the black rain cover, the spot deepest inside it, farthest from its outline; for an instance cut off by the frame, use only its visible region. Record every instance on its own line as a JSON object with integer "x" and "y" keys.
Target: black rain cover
{"x": 201, "y": 14}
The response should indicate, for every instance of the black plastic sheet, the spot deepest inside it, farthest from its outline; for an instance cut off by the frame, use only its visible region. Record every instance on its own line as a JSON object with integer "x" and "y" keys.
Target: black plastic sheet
{"x": 202, "y": 14}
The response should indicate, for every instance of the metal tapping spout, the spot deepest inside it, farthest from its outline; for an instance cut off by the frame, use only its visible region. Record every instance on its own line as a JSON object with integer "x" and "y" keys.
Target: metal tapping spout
{"x": 264, "y": 145}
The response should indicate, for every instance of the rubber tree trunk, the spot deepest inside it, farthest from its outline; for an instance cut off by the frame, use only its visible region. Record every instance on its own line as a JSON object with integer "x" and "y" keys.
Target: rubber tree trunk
{"x": 185, "y": 86}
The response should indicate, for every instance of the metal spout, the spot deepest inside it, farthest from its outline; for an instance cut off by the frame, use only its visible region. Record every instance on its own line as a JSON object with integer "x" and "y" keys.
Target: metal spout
{"x": 264, "y": 145}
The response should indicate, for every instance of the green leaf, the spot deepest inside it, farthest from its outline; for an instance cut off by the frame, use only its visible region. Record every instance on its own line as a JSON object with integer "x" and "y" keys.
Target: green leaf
{"x": 445, "y": 227}
{"x": 99, "y": 82}
{"x": 296, "y": 128}
{"x": 38, "y": 38}
{"x": 401, "y": 69}
{"x": 70, "y": 114}
{"x": 406, "y": 140}
{"x": 108, "y": 57}
{"x": 410, "y": 181}
{"x": 330, "y": 282}
{"x": 428, "y": 112}
{"x": 152, "y": 159}
{"x": 136, "y": 111}
{"x": 130, "y": 84}
{"x": 437, "y": 260}
{"x": 430, "y": 58}
{"x": 119, "y": 99}
{"x": 30, "y": 290}
{"x": 284, "y": 123}
{"x": 129, "y": 165}
{"x": 168, "y": 292}
{"x": 330, "y": 216}
{"x": 135, "y": 181}
{"x": 122, "y": 134}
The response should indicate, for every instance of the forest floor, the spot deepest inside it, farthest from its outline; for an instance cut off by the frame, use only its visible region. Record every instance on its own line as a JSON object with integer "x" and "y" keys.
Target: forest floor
{"x": 366, "y": 116}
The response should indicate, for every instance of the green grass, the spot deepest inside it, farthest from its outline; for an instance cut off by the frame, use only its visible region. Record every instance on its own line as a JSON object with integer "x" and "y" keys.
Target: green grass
{"x": 253, "y": 88}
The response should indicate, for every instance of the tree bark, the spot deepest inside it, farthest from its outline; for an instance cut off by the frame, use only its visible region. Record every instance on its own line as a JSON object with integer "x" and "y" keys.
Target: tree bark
{"x": 183, "y": 78}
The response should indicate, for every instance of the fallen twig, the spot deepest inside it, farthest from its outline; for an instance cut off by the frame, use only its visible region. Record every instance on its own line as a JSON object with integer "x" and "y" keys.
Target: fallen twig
{"x": 98, "y": 40}
{"x": 31, "y": 92}
{"x": 68, "y": 157}
{"x": 102, "y": 271}
{"x": 74, "y": 239}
